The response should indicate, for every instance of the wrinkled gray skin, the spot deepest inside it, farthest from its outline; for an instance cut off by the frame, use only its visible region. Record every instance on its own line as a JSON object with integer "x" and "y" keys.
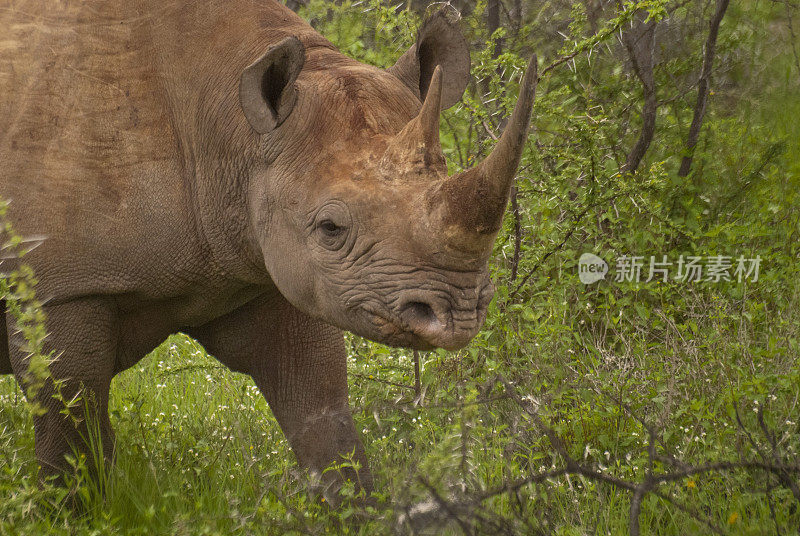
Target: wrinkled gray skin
{"x": 219, "y": 168}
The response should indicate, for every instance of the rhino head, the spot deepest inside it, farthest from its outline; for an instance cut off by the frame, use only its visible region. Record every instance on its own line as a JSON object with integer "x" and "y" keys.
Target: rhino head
{"x": 351, "y": 204}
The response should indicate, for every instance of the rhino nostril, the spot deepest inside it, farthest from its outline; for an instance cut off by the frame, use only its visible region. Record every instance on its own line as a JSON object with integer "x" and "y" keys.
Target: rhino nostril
{"x": 419, "y": 313}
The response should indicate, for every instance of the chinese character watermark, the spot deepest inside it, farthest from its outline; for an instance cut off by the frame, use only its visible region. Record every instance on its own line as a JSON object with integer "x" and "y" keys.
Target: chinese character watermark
{"x": 629, "y": 268}
{"x": 685, "y": 269}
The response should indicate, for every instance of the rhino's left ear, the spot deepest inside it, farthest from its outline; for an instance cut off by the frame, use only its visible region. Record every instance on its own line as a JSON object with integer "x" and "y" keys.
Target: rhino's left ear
{"x": 439, "y": 42}
{"x": 266, "y": 89}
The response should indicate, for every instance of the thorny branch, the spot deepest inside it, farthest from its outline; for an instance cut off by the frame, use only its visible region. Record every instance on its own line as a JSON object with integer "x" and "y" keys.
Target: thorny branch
{"x": 564, "y": 240}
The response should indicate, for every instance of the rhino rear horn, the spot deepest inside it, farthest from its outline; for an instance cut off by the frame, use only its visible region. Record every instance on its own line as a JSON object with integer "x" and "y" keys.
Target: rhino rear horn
{"x": 266, "y": 88}
{"x": 439, "y": 42}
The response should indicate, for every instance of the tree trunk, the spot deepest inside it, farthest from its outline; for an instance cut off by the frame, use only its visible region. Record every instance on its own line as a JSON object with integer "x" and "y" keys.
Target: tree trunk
{"x": 703, "y": 87}
{"x": 493, "y": 23}
{"x": 640, "y": 43}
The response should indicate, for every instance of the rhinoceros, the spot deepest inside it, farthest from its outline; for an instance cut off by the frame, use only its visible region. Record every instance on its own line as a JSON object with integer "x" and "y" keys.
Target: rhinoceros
{"x": 219, "y": 168}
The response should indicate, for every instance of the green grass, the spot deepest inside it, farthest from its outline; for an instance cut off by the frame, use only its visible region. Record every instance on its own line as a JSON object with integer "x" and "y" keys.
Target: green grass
{"x": 198, "y": 451}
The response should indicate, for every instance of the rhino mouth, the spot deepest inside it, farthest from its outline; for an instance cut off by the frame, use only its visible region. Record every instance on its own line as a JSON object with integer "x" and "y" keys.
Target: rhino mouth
{"x": 392, "y": 331}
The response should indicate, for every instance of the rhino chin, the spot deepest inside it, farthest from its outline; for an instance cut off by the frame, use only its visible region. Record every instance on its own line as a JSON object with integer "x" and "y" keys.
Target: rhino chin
{"x": 383, "y": 329}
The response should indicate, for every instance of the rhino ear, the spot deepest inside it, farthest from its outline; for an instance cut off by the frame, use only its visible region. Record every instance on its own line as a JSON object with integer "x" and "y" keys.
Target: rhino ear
{"x": 439, "y": 42}
{"x": 266, "y": 89}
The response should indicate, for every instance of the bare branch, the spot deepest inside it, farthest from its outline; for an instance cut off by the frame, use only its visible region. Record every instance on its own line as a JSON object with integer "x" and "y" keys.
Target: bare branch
{"x": 417, "y": 385}
{"x": 379, "y": 380}
{"x": 517, "y": 232}
{"x": 467, "y": 511}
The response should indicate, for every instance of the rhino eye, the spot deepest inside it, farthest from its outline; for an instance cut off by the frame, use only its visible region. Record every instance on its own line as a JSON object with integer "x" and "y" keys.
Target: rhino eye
{"x": 330, "y": 229}
{"x": 331, "y": 235}
{"x": 332, "y": 226}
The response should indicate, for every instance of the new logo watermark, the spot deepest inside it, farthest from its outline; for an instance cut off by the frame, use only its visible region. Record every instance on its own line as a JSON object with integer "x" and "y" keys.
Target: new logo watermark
{"x": 591, "y": 268}
{"x": 686, "y": 269}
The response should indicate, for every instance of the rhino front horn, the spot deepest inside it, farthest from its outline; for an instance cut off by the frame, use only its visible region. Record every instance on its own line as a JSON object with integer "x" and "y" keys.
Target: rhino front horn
{"x": 475, "y": 199}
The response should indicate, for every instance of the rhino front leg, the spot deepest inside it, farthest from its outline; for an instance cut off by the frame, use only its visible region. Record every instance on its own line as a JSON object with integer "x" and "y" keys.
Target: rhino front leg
{"x": 300, "y": 366}
{"x": 83, "y": 335}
